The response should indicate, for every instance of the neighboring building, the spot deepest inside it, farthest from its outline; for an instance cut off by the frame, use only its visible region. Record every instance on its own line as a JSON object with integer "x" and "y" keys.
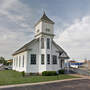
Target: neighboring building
{"x": 10, "y": 61}
{"x": 42, "y": 53}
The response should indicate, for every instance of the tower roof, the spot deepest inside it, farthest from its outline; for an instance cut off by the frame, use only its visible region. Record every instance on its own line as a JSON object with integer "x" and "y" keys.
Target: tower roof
{"x": 45, "y": 19}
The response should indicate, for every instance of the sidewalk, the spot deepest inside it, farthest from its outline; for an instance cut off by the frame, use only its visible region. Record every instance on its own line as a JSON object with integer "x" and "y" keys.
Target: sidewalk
{"x": 41, "y": 83}
{"x": 79, "y": 75}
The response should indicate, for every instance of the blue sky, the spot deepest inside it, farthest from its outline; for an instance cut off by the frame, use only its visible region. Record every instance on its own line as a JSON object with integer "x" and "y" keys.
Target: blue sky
{"x": 71, "y": 17}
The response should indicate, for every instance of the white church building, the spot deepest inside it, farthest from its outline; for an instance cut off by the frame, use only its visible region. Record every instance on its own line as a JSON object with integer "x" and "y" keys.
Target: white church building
{"x": 42, "y": 53}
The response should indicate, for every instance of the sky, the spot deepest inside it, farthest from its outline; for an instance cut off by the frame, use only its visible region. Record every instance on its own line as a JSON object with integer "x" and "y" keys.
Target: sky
{"x": 72, "y": 24}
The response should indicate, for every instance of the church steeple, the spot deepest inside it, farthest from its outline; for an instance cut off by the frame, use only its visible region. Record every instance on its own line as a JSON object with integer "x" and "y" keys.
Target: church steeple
{"x": 45, "y": 19}
{"x": 44, "y": 27}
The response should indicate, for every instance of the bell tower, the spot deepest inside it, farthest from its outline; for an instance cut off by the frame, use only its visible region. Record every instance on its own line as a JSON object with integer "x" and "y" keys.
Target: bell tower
{"x": 44, "y": 26}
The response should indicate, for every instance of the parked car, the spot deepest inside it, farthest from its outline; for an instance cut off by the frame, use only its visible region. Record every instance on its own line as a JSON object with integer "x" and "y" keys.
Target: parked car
{"x": 1, "y": 67}
{"x": 8, "y": 67}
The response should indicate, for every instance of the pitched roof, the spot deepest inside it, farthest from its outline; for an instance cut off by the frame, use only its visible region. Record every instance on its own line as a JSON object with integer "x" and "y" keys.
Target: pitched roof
{"x": 62, "y": 53}
{"x": 24, "y": 48}
{"x": 45, "y": 19}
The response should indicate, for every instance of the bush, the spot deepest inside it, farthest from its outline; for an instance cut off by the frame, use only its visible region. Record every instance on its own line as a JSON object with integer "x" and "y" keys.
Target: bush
{"x": 33, "y": 74}
{"x": 62, "y": 71}
{"x": 23, "y": 73}
{"x": 49, "y": 73}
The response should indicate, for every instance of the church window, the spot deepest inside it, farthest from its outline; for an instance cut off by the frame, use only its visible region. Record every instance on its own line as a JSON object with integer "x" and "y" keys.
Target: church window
{"x": 48, "y": 58}
{"x": 48, "y": 43}
{"x": 47, "y": 30}
{"x": 42, "y": 58}
{"x": 42, "y": 43}
{"x": 33, "y": 58}
{"x": 54, "y": 57}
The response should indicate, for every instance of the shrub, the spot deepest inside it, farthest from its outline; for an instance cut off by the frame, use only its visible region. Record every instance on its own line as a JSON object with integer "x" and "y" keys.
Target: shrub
{"x": 23, "y": 73}
{"x": 49, "y": 73}
{"x": 33, "y": 74}
{"x": 62, "y": 71}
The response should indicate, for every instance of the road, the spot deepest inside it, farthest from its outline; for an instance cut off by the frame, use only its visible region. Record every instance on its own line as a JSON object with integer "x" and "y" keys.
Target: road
{"x": 83, "y": 84}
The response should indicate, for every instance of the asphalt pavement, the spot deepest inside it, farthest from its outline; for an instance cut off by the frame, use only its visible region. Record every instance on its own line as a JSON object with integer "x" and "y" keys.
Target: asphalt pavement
{"x": 83, "y": 84}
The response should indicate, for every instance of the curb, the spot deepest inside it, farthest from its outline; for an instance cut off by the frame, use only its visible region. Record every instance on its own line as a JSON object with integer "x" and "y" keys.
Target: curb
{"x": 39, "y": 83}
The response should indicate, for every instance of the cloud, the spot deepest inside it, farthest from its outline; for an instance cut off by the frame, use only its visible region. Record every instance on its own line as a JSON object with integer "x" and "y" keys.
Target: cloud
{"x": 16, "y": 20}
{"x": 76, "y": 39}
{"x": 15, "y": 10}
{"x": 10, "y": 41}
{"x": 16, "y": 28}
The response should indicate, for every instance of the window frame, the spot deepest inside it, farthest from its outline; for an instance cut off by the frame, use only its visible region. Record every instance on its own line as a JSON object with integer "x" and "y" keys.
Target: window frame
{"x": 33, "y": 62}
{"x": 42, "y": 59}
{"x": 47, "y": 30}
{"x": 48, "y": 58}
{"x": 54, "y": 59}
{"x": 48, "y": 43}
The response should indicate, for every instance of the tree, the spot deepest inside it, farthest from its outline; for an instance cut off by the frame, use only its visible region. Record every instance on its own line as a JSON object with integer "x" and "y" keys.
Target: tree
{"x": 3, "y": 61}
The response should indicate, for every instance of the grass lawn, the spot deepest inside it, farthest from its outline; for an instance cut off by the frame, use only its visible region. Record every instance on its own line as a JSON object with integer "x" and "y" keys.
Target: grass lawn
{"x": 12, "y": 77}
